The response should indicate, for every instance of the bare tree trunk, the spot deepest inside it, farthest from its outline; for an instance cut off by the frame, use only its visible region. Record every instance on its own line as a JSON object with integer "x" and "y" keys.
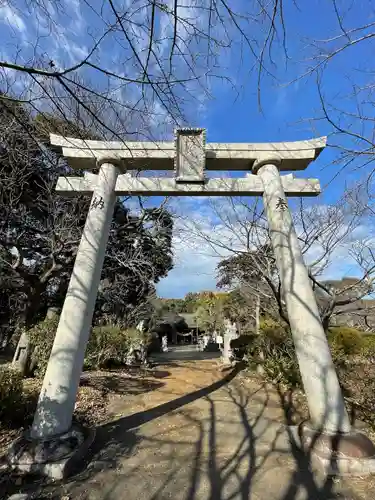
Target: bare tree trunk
{"x": 326, "y": 320}
{"x": 257, "y": 315}
{"x": 260, "y": 368}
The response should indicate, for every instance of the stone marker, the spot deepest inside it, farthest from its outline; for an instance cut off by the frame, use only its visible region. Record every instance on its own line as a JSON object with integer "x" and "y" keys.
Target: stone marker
{"x": 229, "y": 335}
{"x": 164, "y": 343}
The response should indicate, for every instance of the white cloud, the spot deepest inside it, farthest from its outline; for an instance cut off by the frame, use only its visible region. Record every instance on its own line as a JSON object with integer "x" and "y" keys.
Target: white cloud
{"x": 197, "y": 223}
{"x": 78, "y": 22}
{"x": 193, "y": 271}
{"x": 196, "y": 227}
{"x": 9, "y": 15}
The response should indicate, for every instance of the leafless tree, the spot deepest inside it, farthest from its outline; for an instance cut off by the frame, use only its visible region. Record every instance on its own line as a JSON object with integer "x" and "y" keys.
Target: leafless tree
{"x": 150, "y": 63}
{"x": 142, "y": 62}
{"x": 239, "y": 239}
{"x": 343, "y": 55}
{"x": 39, "y": 232}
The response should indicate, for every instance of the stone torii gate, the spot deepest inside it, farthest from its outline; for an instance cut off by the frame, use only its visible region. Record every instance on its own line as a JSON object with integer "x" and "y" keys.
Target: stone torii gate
{"x": 190, "y": 157}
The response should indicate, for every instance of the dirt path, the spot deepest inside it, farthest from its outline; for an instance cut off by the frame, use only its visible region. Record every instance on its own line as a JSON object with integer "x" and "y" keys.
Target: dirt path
{"x": 174, "y": 380}
{"x": 195, "y": 436}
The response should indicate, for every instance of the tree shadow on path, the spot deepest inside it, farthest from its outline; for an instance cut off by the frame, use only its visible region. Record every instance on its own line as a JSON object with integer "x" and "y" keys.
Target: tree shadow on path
{"x": 198, "y": 465}
{"x": 225, "y": 444}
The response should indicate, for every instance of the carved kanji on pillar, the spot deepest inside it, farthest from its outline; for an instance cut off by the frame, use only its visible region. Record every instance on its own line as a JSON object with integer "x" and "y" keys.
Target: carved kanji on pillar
{"x": 281, "y": 204}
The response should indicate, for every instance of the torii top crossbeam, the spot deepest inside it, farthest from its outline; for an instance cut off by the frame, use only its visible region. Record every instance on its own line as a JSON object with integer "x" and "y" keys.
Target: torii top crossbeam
{"x": 190, "y": 157}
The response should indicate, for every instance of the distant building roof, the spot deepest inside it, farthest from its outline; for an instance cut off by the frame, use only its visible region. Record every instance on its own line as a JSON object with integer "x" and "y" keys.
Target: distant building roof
{"x": 343, "y": 283}
{"x": 190, "y": 319}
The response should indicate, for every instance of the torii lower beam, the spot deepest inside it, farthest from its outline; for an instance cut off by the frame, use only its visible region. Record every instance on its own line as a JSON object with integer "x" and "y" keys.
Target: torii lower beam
{"x": 251, "y": 185}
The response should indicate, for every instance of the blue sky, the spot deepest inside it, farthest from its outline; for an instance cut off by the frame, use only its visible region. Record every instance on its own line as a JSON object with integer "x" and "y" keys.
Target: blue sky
{"x": 230, "y": 111}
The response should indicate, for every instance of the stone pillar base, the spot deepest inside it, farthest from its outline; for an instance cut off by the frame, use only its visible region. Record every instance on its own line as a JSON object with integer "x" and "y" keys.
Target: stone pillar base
{"x": 349, "y": 454}
{"x": 55, "y": 457}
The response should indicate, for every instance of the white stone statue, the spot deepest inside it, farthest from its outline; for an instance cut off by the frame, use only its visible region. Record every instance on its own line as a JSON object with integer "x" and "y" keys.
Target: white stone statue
{"x": 206, "y": 340}
{"x": 141, "y": 325}
{"x": 231, "y": 328}
{"x": 164, "y": 343}
{"x": 229, "y": 334}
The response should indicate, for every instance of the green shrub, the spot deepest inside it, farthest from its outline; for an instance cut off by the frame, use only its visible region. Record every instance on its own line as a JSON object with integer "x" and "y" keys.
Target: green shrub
{"x": 345, "y": 339}
{"x": 368, "y": 340}
{"x": 136, "y": 337}
{"x": 10, "y": 392}
{"x": 41, "y": 338}
{"x": 109, "y": 345}
{"x": 283, "y": 369}
{"x": 244, "y": 345}
{"x": 276, "y": 332}
{"x": 243, "y": 341}
{"x": 267, "y": 323}
{"x": 368, "y": 346}
{"x": 274, "y": 350}
{"x": 279, "y": 357}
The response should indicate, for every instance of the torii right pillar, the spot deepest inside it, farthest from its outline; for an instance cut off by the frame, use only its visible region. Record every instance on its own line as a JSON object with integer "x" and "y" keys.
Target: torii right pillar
{"x": 329, "y": 431}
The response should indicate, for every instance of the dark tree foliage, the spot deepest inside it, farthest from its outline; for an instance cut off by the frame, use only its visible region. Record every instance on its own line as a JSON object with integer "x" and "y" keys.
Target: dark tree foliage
{"x": 174, "y": 305}
{"x": 253, "y": 278}
{"x": 40, "y": 230}
{"x": 248, "y": 268}
{"x": 138, "y": 255}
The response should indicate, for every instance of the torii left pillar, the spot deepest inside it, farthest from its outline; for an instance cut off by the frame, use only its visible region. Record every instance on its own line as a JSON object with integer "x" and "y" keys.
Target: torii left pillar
{"x": 57, "y": 398}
